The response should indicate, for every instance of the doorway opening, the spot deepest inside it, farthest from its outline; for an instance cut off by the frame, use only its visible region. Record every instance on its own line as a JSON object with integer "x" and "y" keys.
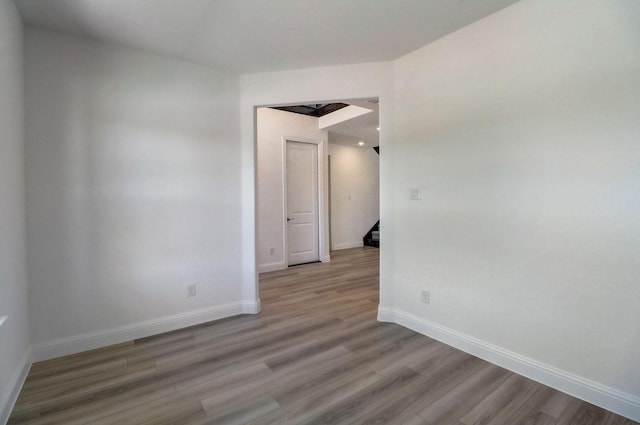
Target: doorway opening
{"x": 294, "y": 224}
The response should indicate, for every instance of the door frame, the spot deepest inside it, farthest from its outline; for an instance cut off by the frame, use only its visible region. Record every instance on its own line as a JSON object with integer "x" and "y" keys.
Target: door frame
{"x": 299, "y": 87}
{"x": 322, "y": 204}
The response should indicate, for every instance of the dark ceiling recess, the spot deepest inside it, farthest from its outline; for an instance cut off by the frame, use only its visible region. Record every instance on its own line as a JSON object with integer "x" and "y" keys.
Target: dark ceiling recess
{"x": 315, "y": 110}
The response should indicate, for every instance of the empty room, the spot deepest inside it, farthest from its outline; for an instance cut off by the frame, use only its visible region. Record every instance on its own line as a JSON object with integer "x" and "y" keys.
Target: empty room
{"x": 481, "y": 266}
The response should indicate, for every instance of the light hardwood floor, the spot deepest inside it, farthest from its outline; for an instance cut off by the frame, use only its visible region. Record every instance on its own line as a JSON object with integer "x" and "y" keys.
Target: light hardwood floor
{"x": 314, "y": 355}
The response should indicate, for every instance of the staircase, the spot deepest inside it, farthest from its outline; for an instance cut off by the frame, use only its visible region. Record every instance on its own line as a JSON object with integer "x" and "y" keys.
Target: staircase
{"x": 372, "y": 238}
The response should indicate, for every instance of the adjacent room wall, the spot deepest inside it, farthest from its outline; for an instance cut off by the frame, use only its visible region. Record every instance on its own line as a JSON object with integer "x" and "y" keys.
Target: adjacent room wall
{"x": 522, "y": 131}
{"x": 272, "y": 126}
{"x": 133, "y": 193}
{"x": 355, "y": 191}
{"x": 14, "y": 332}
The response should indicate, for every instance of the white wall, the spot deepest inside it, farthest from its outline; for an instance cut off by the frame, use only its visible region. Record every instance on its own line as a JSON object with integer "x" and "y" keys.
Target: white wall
{"x": 133, "y": 192}
{"x": 522, "y": 131}
{"x": 355, "y": 191}
{"x": 294, "y": 87}
{"x": 272, "y": 126}
{"x": 14, "y": 332}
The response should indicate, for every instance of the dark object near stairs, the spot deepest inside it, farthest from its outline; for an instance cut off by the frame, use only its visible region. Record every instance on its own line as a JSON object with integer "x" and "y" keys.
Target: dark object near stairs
{"x": 372, "y": 238}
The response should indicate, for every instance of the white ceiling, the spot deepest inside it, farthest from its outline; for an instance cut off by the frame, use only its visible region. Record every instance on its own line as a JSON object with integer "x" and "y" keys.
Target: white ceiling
{"x": 262, "y": 35}
{"x": 361, "y": 128}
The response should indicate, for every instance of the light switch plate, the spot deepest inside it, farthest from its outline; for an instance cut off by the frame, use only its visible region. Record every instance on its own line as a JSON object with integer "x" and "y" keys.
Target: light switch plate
{"x": 414, "y": 193}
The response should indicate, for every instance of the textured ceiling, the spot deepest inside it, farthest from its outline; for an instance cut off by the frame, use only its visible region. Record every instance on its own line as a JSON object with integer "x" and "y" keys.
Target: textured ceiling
{"x": 262, "y": 35}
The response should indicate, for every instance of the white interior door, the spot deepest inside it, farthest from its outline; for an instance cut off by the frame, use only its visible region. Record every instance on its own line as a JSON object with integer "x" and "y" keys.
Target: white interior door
{"x": 302, "y": 203}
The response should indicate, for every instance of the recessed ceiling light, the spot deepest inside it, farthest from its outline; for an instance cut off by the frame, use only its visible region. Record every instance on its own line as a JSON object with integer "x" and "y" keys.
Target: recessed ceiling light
{"x": 360, "y": 143}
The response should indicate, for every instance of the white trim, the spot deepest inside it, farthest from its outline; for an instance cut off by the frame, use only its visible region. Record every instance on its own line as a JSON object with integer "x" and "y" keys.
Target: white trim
{"x": 325, "y": 259}
{"x": 285, "y": 227}
{"x": 347, "y": 245}
{"x": 596, "y": 393}
{"x": 251, "y": 307}
{"x": 272, "y": 267}
{"x": 92, "y": 340}
{"x": 14, "y": 386}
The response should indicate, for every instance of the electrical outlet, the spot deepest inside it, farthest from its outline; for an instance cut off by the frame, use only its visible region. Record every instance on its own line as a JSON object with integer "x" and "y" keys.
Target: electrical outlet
{"x": 426, "y": 296}
{"x": 191, "y": 290}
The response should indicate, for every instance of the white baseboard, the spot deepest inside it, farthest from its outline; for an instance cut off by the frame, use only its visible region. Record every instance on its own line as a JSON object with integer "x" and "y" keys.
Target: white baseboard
{"x": 14, "y": 386}
{"x": 326, "y": 259}
{"x": 601, "y": 395}
{"x": 251, "y": 307}
{"x": 347, "y": 245}
{"x": 90, "y": 341}
{"x": 272, "y": 267}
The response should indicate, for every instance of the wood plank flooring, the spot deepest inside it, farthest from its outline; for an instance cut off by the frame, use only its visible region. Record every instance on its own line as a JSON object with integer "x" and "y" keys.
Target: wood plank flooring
{"x": 314, "y": 355}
